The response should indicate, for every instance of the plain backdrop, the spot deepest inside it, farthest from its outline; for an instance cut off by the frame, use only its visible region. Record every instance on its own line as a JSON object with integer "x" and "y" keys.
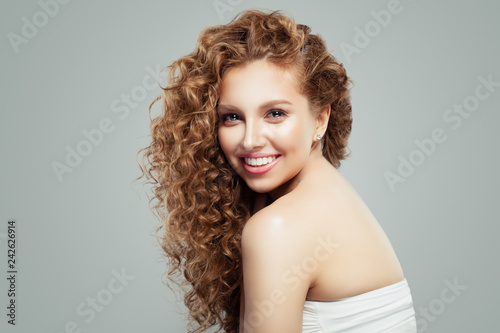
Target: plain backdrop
{"x": 78, "y": 77}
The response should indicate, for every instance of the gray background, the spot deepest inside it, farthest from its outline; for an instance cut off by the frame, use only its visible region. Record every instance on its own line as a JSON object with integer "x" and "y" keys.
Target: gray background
{"x": 70, "y": 75}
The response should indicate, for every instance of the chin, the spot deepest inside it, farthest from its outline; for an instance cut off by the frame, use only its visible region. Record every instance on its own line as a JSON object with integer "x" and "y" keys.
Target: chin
{"x": 260, "y": 188}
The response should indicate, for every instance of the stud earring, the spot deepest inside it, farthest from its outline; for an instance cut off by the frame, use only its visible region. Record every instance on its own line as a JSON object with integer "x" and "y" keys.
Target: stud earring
{"x": 318, "y": 136}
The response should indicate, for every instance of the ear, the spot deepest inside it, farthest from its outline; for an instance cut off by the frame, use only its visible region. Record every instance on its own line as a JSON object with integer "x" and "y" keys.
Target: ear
{"x": 322, "y": 121}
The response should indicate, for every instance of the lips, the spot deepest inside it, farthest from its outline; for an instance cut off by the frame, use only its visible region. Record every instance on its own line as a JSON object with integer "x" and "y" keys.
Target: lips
{"x": 259, "y": 165}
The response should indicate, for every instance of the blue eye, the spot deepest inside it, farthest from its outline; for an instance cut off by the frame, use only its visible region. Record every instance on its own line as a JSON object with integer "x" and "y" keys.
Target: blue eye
{"x": 229, "y": 117}
{"x": 276, "y": 113}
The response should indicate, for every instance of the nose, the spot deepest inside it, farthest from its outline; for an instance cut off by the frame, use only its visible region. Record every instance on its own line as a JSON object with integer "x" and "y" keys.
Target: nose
{"x": 253, "y": 139}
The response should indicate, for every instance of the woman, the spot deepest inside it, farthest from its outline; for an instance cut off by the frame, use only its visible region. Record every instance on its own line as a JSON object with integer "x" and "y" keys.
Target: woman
{"x": 266, "y": 233}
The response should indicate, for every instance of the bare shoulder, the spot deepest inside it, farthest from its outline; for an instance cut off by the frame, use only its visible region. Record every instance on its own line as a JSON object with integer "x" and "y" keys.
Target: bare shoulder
{"x": 273, "y": 224}
{"x": 283, "y": 232}
{"x": 286, "y": 215}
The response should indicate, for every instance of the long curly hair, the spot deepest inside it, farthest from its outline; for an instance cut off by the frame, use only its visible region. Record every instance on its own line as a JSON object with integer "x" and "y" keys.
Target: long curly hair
{"x": 202, "y": 202}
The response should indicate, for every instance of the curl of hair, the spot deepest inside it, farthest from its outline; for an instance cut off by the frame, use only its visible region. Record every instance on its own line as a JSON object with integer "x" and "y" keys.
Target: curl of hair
{"x": 202, "y": 202}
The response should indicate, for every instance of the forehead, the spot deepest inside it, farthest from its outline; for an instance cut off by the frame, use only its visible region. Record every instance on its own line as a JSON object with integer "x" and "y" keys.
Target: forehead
{"x": 259, "y": 79}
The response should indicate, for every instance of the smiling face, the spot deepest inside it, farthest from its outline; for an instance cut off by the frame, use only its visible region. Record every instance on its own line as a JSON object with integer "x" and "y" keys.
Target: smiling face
{"x": 266, "y": 128}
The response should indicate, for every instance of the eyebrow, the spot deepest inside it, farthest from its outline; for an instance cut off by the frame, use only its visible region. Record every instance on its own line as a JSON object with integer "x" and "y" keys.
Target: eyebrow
{"x": 262, "y": 106}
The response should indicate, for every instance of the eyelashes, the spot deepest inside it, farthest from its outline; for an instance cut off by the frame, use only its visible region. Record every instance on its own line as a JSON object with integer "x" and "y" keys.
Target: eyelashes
{"x": 229, "y": 117}
{"x": 275, "y": 114}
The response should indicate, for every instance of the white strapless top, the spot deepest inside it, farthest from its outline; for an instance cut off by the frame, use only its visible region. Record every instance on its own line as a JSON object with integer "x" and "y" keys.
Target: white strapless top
{"x": 388, "y": 309}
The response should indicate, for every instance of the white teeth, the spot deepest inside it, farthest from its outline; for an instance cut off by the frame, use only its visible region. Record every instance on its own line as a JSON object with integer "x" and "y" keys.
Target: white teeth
{"x": 259, "y": 161}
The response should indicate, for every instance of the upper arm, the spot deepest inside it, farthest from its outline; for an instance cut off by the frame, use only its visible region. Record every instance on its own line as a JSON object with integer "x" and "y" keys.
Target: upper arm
{"x": 274, "y": 282}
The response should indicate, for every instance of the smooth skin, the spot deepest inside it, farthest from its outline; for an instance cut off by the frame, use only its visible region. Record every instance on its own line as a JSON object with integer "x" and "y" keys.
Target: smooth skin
{"x": 317, "y": 240}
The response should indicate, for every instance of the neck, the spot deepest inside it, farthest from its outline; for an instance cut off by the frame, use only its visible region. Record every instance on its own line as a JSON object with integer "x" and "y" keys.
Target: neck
{"x": 315, "y": 158}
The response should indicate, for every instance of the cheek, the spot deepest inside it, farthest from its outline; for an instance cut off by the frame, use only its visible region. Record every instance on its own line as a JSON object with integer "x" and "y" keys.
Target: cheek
{"x": 226, "y": 141}
{"x": 291, "y": 136}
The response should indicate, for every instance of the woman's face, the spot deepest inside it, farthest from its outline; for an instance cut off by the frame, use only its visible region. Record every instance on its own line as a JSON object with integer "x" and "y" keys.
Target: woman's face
{"x": 266, "y": 128}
